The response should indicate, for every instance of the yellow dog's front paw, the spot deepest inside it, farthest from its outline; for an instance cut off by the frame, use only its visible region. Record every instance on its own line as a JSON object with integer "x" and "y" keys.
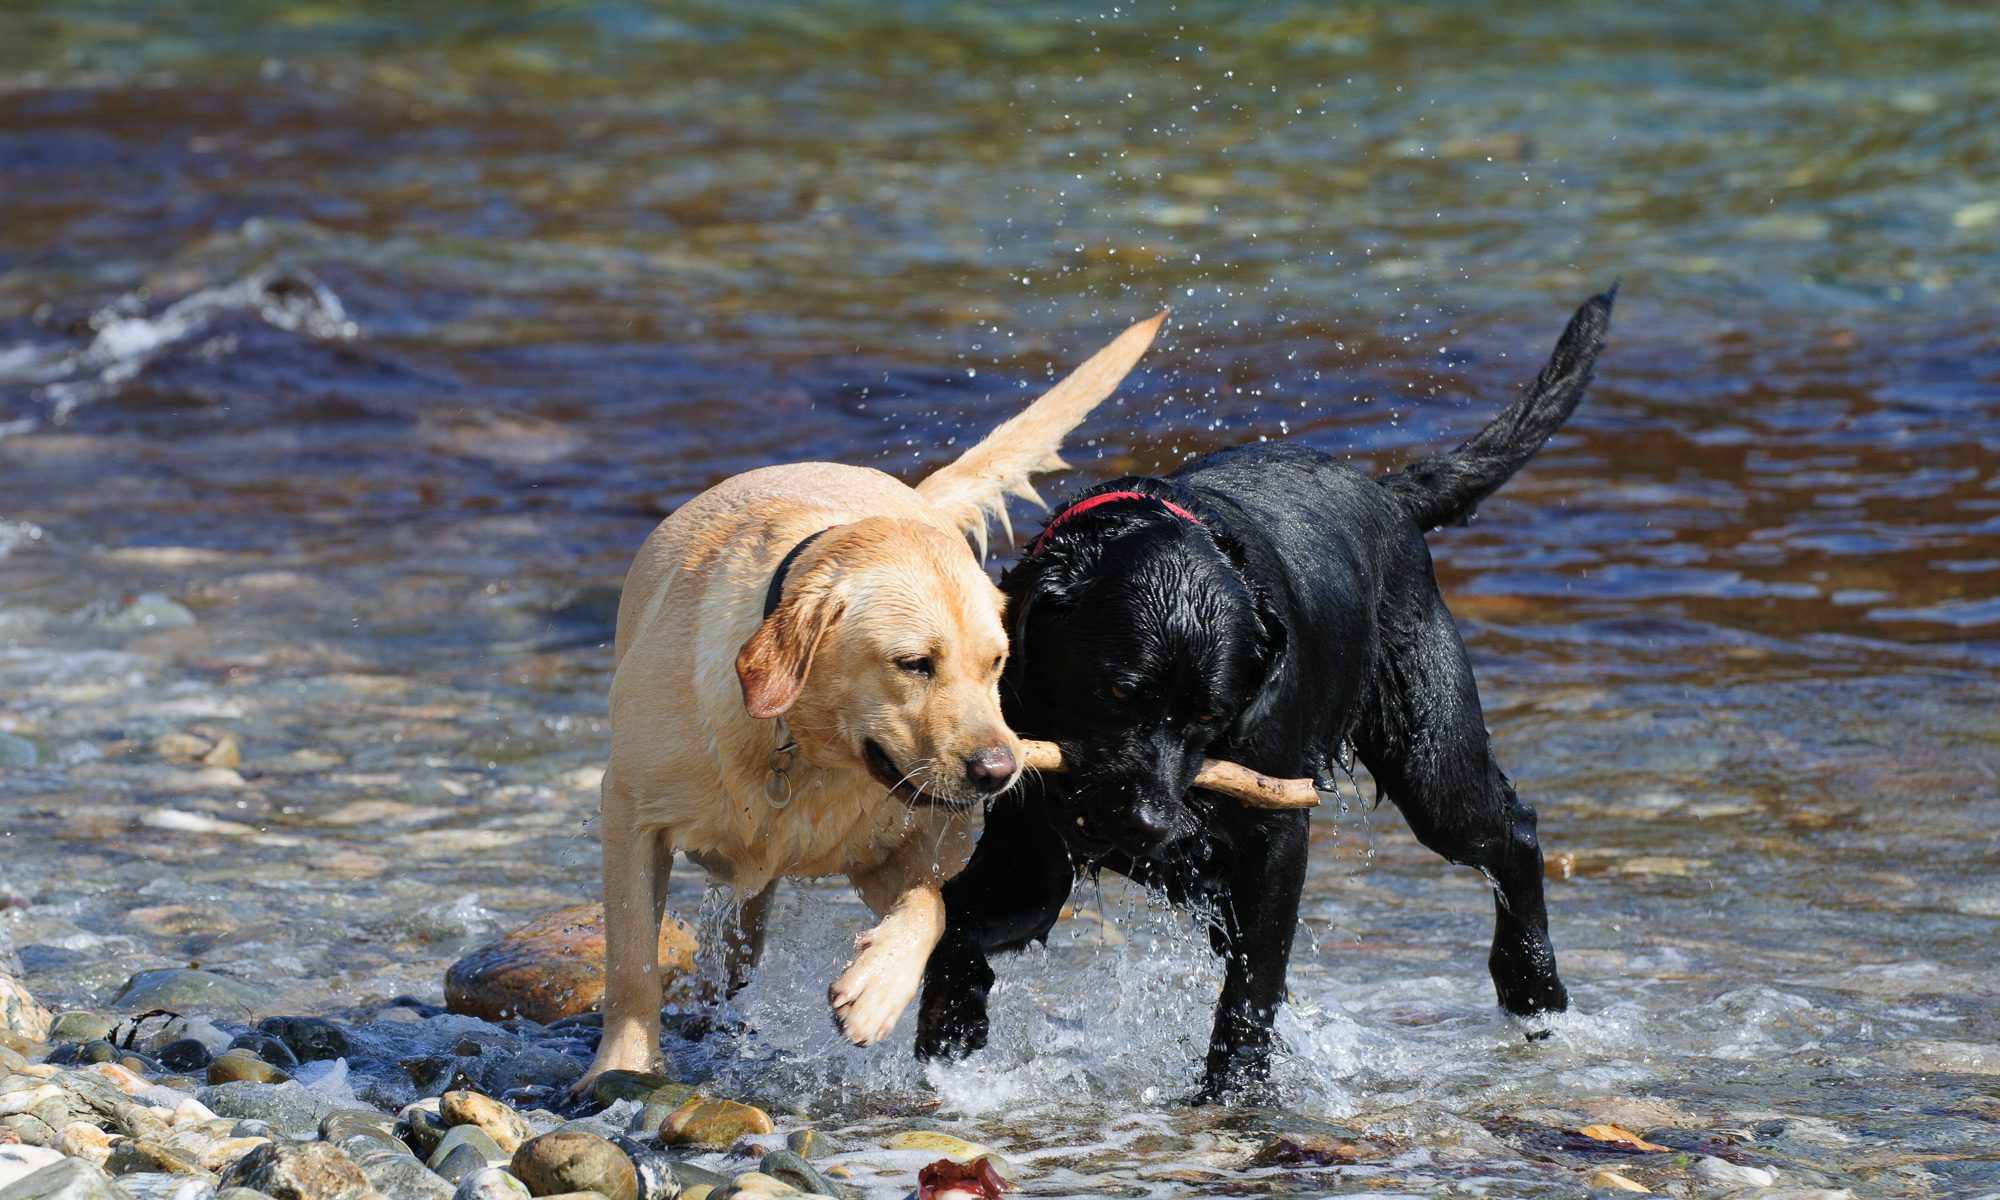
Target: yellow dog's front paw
{"x": 870, "y": 996}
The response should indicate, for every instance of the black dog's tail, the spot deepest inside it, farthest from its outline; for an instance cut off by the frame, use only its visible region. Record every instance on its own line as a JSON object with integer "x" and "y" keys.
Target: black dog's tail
{"x": 1444, "y": 488}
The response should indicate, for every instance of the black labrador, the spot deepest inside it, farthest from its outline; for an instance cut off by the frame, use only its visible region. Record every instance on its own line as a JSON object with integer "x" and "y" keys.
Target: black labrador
{"x": 1269, "y": 605}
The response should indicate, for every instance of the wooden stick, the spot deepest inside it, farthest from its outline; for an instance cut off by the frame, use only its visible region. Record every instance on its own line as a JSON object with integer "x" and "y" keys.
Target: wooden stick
{"x": 1238, "y": 782}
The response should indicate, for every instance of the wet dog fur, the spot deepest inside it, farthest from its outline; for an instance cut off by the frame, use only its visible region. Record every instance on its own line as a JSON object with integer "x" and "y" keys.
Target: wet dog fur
{"x": 1288, "y": 612}
{"x": 850, "y": 731}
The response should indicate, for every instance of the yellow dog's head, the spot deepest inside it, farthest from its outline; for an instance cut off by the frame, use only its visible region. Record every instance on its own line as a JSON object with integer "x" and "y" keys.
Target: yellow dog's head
{"x": 884, "y": 653}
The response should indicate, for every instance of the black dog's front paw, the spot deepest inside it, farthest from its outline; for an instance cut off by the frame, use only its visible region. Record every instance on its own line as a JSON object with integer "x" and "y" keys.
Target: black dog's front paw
{"x": 1527, "y": 983}
{"x": 951, "y": 1018}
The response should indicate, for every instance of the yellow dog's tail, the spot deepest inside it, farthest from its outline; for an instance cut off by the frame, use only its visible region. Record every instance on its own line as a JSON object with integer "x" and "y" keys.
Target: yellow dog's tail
{"x": 973, "y": 490}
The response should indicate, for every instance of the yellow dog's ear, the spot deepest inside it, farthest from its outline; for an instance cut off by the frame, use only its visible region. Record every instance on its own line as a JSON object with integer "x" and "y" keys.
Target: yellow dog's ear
{"x": 772, "y": 665}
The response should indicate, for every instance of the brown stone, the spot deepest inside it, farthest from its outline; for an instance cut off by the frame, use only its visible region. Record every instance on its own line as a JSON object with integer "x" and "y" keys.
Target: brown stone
{"x": 553, "y": 967}
{"x": 501, "y": 1123}
{"x": 706, "y": 1122}
{"x": 555, "y": 1164}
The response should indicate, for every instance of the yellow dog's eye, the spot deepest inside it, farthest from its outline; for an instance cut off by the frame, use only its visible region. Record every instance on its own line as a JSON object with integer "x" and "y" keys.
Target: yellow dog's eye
{"x": 1120, "y": 692}
{"x": 918, "y": 665}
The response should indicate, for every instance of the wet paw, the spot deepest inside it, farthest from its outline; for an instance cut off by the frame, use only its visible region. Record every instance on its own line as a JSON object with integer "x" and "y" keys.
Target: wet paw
{"x": 870, "y": 996}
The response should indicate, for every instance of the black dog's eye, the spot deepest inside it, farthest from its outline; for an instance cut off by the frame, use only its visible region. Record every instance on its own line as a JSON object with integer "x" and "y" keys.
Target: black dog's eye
{"x": 919, "y": 665}
{"x": 1205, "y": 718}
{"x": 1120, "y": 692}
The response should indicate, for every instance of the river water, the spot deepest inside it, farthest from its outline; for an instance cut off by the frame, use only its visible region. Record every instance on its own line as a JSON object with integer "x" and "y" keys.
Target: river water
{"x": 347, "y": 355}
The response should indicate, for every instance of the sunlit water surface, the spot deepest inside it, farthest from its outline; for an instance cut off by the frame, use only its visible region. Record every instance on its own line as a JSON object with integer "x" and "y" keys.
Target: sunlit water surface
{"x": 377, "y": 343}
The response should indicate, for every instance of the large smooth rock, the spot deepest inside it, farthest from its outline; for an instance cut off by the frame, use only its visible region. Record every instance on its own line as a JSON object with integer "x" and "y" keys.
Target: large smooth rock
{"x": 184, "y": 989}
{"x": 553, "y": 967}
{"x": 19, "y": 1162}
{"x": 21, "y": 1015}
{"x": 299, "y": 1171}
{"x": 708, "y": 1122}
{"x": 560, "y": 1162}
{"x": 70, "y": 1179}
{"x": 288, "y": 1106}
{"x": 404, "y": 1178}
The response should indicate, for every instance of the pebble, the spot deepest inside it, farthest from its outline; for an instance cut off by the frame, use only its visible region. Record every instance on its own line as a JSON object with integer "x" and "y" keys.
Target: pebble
{"x": 401, "y": 1177}
{"x": 658, "y": 1179}
{"x": 1729, "y": 1174}
{"x": 20, "y": 1013}
{"x": 571, "y": 1162}
{"x": 789, "y": 1167}
{"x": 16, "y": 752}
{"x": 933, "y": 1142}
{"x": 76, "y": 1026}
{"x": 491, "y": 1183}
{"x": 300, "y": 1171}
{"x": 462, "y": 1150}
{"x": 223, "y": 1153}
{"x": 553, "y": 967}
{"x": 184, "y": 1055}
{"x": 310, "y": 1039}
{"x": 185, "y": 988}
{"x": 70, "y": 1179}
{"x": 17, "y": 1162}
{"x": 237, "y": 1066}
{"x": 708, "y": 1122}
{"x": 266, "y": 1047}
{"x": 81, "y": 1139}
{"x": 142, "y": 1156}
{"x": 646, "y": 1088}
{"x": 809, "y": 1143}
{"x": 503, "y": 1124}
{"x": 1613, "y": 1181}
{"x": 422, "y": 1129}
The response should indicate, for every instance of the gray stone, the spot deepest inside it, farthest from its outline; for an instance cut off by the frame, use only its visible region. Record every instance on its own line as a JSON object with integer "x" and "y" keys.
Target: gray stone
{"x": 74, "y": 1026}
{"x": 463, "y": 1150}
{"x": 350, "y": 1121}
{"x": 404, "y": 1178}
{"x": 655, "y": 1170}
{"x": 287, "y": 1106}
{"x": 183, "y": 989}
{"x": 491, "y": 1183}
{"x": 142, "y": 1156}
{"x": 809, "y": 1144}
{"x": 421, "y": 1129}
{"x": 575, "y": 1162}
{"x": 310, "y": 1039}
{"x": 299, "y": 1171}
{"x": 240, "y": 1193}
{"x": 788, "y": 1166}
{"x": 17, "y": 753}
{"x": 70, "y": 1179}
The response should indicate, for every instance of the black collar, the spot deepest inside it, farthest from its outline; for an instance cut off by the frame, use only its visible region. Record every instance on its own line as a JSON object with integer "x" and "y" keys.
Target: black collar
{"x": 776, "y": 591}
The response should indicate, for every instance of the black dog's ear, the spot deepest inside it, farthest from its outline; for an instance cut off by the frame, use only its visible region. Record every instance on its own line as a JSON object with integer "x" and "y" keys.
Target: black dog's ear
{"x": 1276, "y": 653}
{"x": 1027, "y": 585}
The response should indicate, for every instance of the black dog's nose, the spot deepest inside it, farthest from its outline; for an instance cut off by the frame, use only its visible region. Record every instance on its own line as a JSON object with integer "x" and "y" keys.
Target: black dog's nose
{"x": 991, "y": 769}
{"x": 1143, "y": 826}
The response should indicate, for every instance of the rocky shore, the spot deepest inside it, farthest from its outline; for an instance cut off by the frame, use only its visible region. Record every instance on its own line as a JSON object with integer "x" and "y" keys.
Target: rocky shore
{"x": 165, "y": 1100}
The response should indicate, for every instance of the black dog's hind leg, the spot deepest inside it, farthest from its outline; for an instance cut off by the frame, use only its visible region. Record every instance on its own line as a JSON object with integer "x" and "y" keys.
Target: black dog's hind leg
{"x": 1009, "y": 894}
{"x": 1254, "y": 920}
{"x": 1426, "y": 745}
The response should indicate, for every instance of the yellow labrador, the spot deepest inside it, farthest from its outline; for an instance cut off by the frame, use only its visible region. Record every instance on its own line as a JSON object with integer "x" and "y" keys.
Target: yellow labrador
{"x": 808, "y": 660}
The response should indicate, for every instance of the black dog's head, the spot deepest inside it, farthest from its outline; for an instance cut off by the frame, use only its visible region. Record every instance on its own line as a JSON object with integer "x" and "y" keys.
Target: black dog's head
{"x": 1139, "y": 647}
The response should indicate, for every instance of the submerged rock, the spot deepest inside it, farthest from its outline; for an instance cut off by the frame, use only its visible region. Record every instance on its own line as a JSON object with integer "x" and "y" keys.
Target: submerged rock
{"x": 553, "y": 967}
{"x": 184, "y": 988}
{"x": 575, "y": 1162}
{"x": 310, "y": 1039}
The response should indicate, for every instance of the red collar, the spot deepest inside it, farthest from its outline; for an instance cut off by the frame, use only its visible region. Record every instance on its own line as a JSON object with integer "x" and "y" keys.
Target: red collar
{"x": 1106, "y": 498}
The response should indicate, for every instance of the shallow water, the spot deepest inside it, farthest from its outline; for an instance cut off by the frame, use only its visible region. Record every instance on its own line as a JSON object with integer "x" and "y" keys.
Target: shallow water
{"x": 377, "y": 344}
